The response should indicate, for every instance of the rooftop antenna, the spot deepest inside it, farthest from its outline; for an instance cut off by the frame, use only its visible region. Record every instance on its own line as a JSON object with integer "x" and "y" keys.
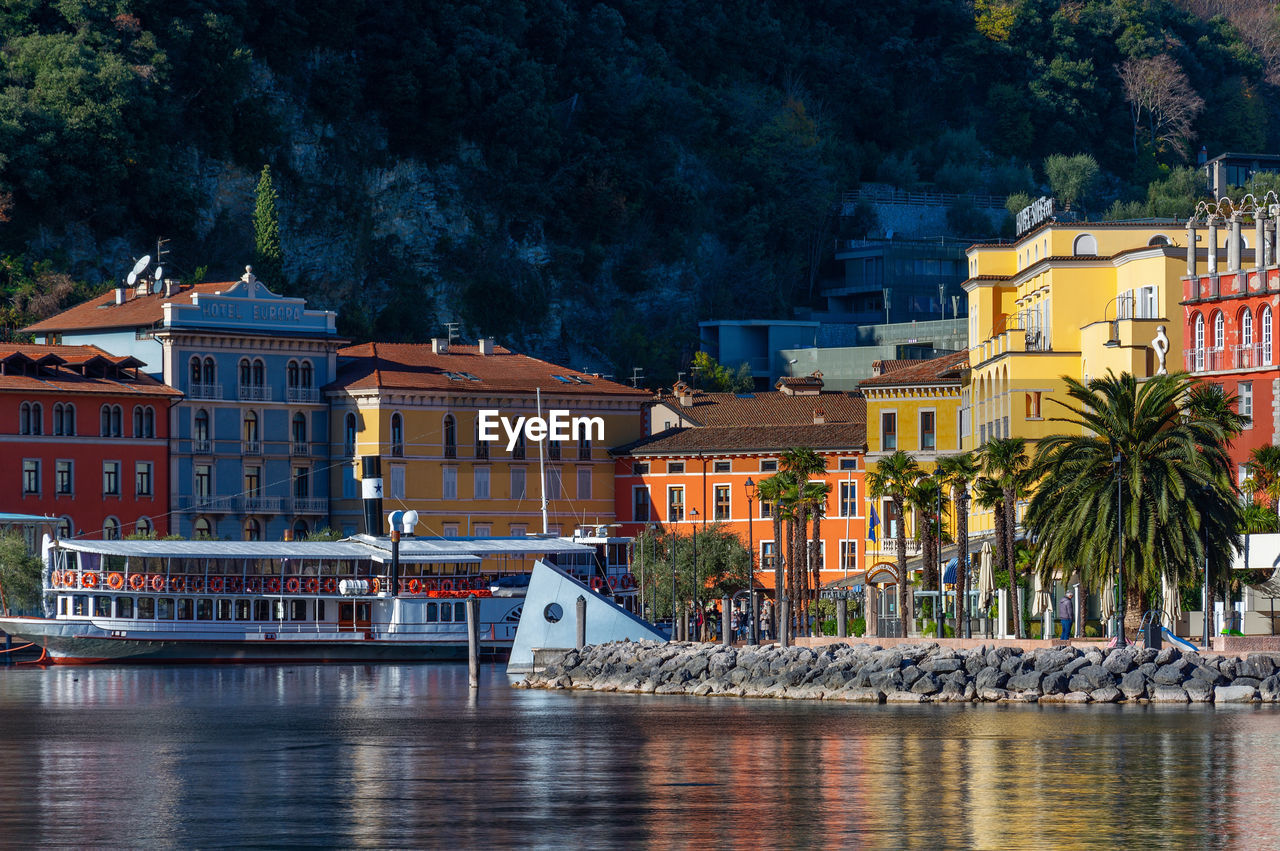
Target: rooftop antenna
{"x": 452, "y": 329}
{"x": 637, "y": 373}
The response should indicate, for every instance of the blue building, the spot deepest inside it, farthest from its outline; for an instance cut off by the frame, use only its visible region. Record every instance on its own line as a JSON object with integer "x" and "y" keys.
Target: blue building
{"x": 249, "y": 444}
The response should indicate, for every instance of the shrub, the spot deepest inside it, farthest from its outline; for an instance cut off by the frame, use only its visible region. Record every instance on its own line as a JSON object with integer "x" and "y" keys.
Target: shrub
{"x": 1091, "y": 631}
{"x": 859, "y": 627}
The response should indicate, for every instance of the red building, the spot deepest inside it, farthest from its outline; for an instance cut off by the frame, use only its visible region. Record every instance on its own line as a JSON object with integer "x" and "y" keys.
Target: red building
{"x": 1230, "y": 302}
{"x": 88, "y": 437}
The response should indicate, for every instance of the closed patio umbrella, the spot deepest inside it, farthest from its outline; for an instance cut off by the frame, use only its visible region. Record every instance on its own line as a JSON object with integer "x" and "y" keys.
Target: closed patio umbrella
{"x": 986, "y": 578}
{"x": 1172, "y": 602}
{"x": 1108, "y": 601}
{"x": 1043, "y": 600}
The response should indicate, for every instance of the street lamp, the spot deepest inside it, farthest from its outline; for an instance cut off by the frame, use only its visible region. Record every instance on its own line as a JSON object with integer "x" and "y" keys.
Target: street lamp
{"x": 693, "y": 512}
{"x": 674, "y": 538}
{"x": 750, "y": 488}
{"x": 1118, "y": 460}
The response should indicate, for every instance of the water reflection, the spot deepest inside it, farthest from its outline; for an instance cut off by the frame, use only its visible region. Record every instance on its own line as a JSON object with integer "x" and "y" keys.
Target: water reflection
{"x": 407, "y": 756}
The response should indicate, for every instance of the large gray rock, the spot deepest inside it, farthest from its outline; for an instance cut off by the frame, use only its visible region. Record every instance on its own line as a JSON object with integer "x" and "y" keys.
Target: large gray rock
{"x": 1048, "y": 661}
{"x": 1168, "y": 694}
{"x": 1120, "y": 662}
{"x": 909, "y": 675}
{"x": 903, "y": 697}
{"x": 1172, "y": 674}
{"x": 1015, "y": 665}
{"x": 1210, "y": 675}
{"x": 926, "y": 683}
{"x": 990, "y": 678}
{"x": 1076, "y": 697}
{"x": 857, "y": 694}
{"x": 993, "y": 695}
{"x": 1055, "y": 683}
{"x": 1167, "y": 654}
{"x": 1235, "y": 694}
{"x": 1269, "y": 689}
{"x": 1075, "y": 665}
{"x": 1258, "y": 665}
{"x": 942, "y": 665}
{"x": 1133, "y": 685}
{"x": 886, "y": 681}
{"x": 1110, "y": 694}
{"x": 1091, "y": 678}
{"x": 1198, "y": 691}
{"x": 1030, "y": 681}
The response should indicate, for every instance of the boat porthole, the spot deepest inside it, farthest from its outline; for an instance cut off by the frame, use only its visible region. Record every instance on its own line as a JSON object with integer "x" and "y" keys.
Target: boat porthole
{"x": 553, "y": 613}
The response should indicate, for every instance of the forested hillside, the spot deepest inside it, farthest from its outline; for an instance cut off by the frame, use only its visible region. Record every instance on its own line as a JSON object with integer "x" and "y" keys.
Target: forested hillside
{"x": 582, "y": 180}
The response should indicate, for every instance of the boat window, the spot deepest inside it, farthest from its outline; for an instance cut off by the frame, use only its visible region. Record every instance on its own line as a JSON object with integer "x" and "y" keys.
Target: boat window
{"x": 102, "y": 607}
{"x": 262, "y": 610}
{"x": 80, "y": 605}
{"x": 319, "y": 610}
{"x": 124, "y": 607}
{"x": 146, "y": 607}
{"x": 242, "y": 610}
{"x": 299, "y": 610}
{"x": 459, "y": 611}
{"x": 432, "y": 616}
{"x": 363, "y": 612}
{"x": 224, "y": 610}
{"x": 64, "y": 605}
{"x": 446, "y": 613}
{"x": 184, "y": 609}
{"x": 204, "y": 609}
{"x": 164, "y": 608}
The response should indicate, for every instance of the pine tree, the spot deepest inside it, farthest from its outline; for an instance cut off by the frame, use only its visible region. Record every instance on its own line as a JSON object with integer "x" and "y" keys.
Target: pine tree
{"x": 268, "y": 260}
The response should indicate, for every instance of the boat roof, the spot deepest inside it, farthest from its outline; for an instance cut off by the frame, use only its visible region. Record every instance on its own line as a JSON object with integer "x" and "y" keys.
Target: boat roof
{"x": 417, "y": 549}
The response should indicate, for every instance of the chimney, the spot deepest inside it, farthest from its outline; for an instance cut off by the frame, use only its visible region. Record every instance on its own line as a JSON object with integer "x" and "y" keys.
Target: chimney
{"x": 168, "y": 287}
{"x": 120, "y": 295}
{"x": 439, "y": 346}
{"x": 486, "y": 345}
{"x": 819, "y": 416}
{"x": 684, "y": 393}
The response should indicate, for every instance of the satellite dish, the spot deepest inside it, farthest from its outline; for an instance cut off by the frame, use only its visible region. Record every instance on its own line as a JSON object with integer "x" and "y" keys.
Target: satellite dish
{"x": 142, "y": 264}
{"x": 159, "y": 274}
{"x": 132, "y": 279}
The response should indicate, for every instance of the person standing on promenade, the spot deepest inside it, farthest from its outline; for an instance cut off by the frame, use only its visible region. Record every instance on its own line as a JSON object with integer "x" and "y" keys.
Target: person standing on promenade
{"x": 1066, "y": 614}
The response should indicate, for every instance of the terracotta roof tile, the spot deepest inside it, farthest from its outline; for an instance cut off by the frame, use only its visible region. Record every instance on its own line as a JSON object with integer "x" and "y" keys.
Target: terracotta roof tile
{"x": 103, "y": 312}
{"x": 756, "y": 438}
{"x": 414, "y": 366}
{"x": 947, "y": 369}
{"x": 60, "y": 371}
{"x": 886, "y": 366}
{"x": 771, "y": 408}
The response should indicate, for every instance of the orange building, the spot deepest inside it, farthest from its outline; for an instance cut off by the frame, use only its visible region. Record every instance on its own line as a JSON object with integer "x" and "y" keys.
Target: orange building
{"x": 697, "y": 473}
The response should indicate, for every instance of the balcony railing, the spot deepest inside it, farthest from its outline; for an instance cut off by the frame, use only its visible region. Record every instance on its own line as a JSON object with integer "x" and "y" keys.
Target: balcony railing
{"x": 251, "y": 447}
{"x": 260, "y": 504}
{"x": 889, "y": 546}
{"x": 1238, "y": 357}
{"x": 254, "y": 393}
{"x": 202, "y": 447}
{"x": 302, "y": 394}
{"x": 204, "y": 391}
{"x": 302, "y": 450}
{"x": 310, "y": 505}
{"x": 206, "y": 504}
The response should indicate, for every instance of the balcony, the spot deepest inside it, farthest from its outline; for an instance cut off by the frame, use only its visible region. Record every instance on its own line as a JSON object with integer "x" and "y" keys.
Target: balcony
{"x": 1248, "y": 356}
{"x": 310, "y": 505}
{"x": 205, "y": 504}
{"x": 204, "y": 391}
{"x": 889, "y": 546}
{"x": 302, "y": 394}
{"x": 300, "y": 450}
{"x": 1253, "y": 356}
{"x": 202, "y": 447}
{"x": 253, "y": 393}
{"x": 260, "y": 504}
{"x": 251, "y": 447}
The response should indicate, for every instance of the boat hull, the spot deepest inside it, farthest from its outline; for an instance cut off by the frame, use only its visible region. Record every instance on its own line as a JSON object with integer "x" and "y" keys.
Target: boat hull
{"x": 80, "y": 644}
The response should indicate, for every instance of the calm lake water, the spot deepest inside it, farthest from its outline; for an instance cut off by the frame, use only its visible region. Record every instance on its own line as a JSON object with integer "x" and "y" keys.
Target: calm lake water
{"x": 404, "y": 756}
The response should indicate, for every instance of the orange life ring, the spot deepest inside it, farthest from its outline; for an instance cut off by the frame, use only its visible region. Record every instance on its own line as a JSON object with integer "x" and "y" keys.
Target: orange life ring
{"x": 446, "y": 584}
{"x": 613, "y": 583}
{"x": 115, "y": 581}
{"x": 178, "y": 583}
{"x": 595, "y": 583}
{"x": 137, "y": 581}
{"x": 430, "y": 584}
{"x": 157, "y": 582}
{"x": 415, "y": 586}
{"x": 55, "y": 579}
{"x": 89, "y": 580}
{"x": 313, "y": 585}
{"x": 197, "y": 584}
{"x": 330, "y": 585}
{"x": 293, "y": 585}
{"x": 216, "y": 584}
{"x": 235, "y": 583}
{"x": 628, "y": 582}
{"x": 375, "y": 585}
{"x": 254, "y": 584}
{"x": 273, "y": 585}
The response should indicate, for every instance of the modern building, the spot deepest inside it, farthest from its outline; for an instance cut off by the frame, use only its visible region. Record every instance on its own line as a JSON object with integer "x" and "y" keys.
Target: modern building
{"x": 889, "y": 281}
{"x": 418, "y": 408}
{"x": 756, "y": 342}
{"x": 249, "y": 448}
{"x": 848, "y": 360}
{"x": 1234, "y": 170}
{"x": 710, "y": 451}
{"x": 89, "y": 440}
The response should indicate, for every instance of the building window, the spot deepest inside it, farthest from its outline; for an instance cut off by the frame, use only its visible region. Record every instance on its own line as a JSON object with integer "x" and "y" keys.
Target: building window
{"x": 640, "y": 504}
{"x": 848, "y": 499}
{"x": 518, "y": 483}
{"x": 722, "y": 466}
{"x": 142, "y": 478}
{"x": 202, "y": 528}
{"x": 675, "y": 466}
{"x": 137, "y": 421}
{"x": 449, "y": 530}
{"x": 640, "y": 468}
{"x": 291, "y": 374}
{"x": 252, "y": 530}
{"x": 195, "y": 370}
{"x": 24, "y": 418}
{"x": 64, "y": 419}
{"x": 888, "y": 431}
{"x": 349, "y": 489}
{"x": 111, "y": 529}
{"x": 928, "y": 431}
{"x": 849, "y": 555}
{"x": 1246, "y": 327}
{"x": 349, "y": 434}
{"x": 246, "y": 372}
{"x": 518, "y": 450}
{"x": 482, "y": 446}
{"x": 450, "y": 434}
{"x": 1244, "y": 390}
{"x": 584, "y": 483}
{"x": 448, "y": 482}
{"x": 111, "y": 478}
{"x": 584, "y": 449}
{"x": 397, "y": 481}
{"x": 723, "y": 508}
{"x": 554, "y": 484}
{"x": 308, "y": 374}
{"x": 210, "y": 371}
{"x": 31, "y": 476}
{"x": 65, "y": 529}
{"x": 251, "y": 432}
{"x": 519, "y": 530}
{"x": 253, "y": 482}
{"x": 1199, "y": 338}
{"x": 144, "y": 526}
{"x": 553, "y": 450}
{"x": 480, "y": 482}
{"x": 301, "y": 483}
{"x": 299, "y": 430}
{"x": 1266, "y": 335}
{"x": 768, "y": 555}
{"x": 63, "y": 478}
{"x": 1032, "y": 403}
{"x": 1219, "y": 331}
{"x": 259, "y": 373}
{"x": 675, "y": 505}
{"x": 202, "y": 430}
{"x": 202, "y": 481}
{"x": 848, "y": 463}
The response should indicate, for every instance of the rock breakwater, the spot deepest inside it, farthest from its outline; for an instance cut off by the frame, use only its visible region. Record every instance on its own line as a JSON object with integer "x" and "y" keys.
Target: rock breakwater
{"x": 917, "y": 673}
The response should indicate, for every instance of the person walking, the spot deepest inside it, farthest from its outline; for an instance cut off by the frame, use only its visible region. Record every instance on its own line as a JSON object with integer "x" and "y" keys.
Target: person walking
{"x": 1066, "y": 614}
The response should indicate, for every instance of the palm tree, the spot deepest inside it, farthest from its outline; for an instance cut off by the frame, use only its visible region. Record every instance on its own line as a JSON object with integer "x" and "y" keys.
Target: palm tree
{"x": 815, "y": 495}
{"x": 1178, "y": 499}
{"x": 958, "y": 474}
{"x": 802, "y": 465}
{"x": 894, "y": 477}
{"x": 923, "y": 498}
{"x": 1005, "y": 460}
{"x": 1263, "y": 470}
{"x": 772, "y": 490}
{"x": 989, "y": 496}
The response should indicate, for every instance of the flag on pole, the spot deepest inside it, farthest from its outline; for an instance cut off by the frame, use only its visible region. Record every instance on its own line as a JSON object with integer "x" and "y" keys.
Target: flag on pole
{"x": 875, "y": 524}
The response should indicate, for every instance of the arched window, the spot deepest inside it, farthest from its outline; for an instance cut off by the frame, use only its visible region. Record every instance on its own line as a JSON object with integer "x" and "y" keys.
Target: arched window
{"x": 149, "y": 421}
{"x": 111, "y": 529}
{"x": 201, "y": 429}
{"x": 397, "y": 434}
{"x": 202, "y": 528}
{"x": 1085, "y": 246}
{"x": 299, "y": 429}
{"x": 1246, "y": 327}
{"x": 64, "y": 419}
{"x": 1265, "y": 322}
{"x": 1199, "y": 338}
{"x": 300, "y": 530}
{"x": 37, "y": 418}
{"x": 259, "y": 373}
{"x": 246, "y": 372}
{"x": 1219, "y": 331}
{"x": 308, "y": 373}
{"x": 144, "y": 526}
{"x": 252, "y": 530}
{"x": 349, "y": 434}
{"x": 291, "y": 373}
{"x": 1159, "y": 239}
{"x": 250, "y": 427}
{"x": 195, "y": 370}
{"x": 105, "y": 426}
{"x": 482, "y": 446}
{"x": 584, "y": 448}
{"x": 117, "y": 421}
{"x": 137, "y": 421}
{"x": 24, "y": 418}
{"x": 65, "y": 529}
{"x": 518, "y": 451}
{"x": 210, "y": 371}
{"x": 450, "y": 436}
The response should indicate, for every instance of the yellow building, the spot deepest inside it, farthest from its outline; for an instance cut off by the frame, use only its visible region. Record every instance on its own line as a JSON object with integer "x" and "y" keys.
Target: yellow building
{"x": 1072, "y": 299}
{"x": 419, "y": 407}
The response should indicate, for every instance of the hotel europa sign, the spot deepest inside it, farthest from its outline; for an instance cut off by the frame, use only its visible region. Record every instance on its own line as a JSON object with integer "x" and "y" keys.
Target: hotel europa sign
{"x": 1035, "y": 213}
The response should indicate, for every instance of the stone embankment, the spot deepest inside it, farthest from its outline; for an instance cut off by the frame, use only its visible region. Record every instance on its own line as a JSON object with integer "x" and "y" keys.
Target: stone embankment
{"x": 917, "y": 673}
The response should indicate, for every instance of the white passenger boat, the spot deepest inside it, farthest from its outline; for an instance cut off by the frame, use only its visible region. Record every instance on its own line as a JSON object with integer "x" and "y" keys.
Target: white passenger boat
{"x": 222, "y": 601}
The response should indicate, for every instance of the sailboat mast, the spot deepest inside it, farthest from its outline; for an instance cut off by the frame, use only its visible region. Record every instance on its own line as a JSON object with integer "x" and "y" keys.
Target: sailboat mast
{"x": 542, "y": 467}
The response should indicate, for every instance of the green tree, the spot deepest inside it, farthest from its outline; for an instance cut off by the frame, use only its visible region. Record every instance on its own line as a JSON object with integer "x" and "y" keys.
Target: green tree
{"x": 1176, "y": 487}
{"x": 958, "y": 475}
{"x": 715, "y": 377}
{"x": 1263, "y": 471}
{"x": 1005, "y": 461}
{"x": 808, "y": 498}
{"x": 1071, "y": 178}
{"x": 894, "y": 477}
{"x": 20, "y": 579}
{"x": 771, "y": 492}
{"x": 924, "y": 497}
{"x": 723, "y": 566}
{"x": 268, "y": 260}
